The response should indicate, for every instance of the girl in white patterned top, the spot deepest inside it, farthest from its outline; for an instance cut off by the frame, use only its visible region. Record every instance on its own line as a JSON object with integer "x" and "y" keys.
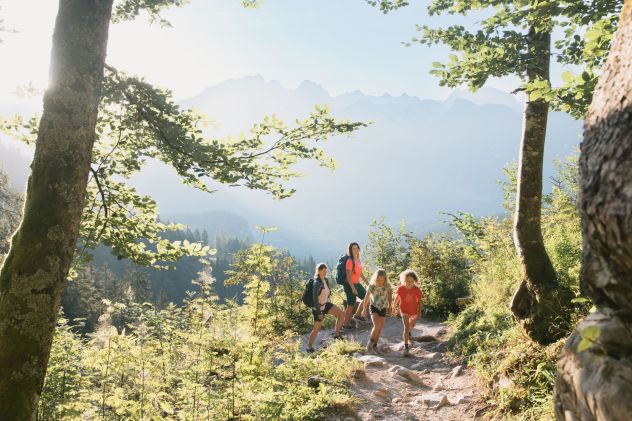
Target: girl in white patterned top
{"x": 380, "y": 295}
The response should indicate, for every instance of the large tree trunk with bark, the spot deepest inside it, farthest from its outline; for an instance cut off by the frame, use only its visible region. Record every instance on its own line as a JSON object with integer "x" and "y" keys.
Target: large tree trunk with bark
{"x": 537, "y": 300}
{"x": 33, "y": 275}
{"x": 596, "y": 383}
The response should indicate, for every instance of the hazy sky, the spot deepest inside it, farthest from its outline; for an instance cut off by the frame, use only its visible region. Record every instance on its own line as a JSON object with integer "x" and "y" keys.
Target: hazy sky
{"x": 342, "y": 44}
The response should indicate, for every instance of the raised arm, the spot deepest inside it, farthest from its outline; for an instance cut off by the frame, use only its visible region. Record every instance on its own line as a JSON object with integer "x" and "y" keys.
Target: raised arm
{"x": 349, "y": 275}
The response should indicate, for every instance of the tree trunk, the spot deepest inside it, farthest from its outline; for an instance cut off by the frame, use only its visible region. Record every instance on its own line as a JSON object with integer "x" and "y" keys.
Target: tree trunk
{"x": 596, "y": 384}
{"x": 537, "y": 300}
{"x": 33, "y": 275}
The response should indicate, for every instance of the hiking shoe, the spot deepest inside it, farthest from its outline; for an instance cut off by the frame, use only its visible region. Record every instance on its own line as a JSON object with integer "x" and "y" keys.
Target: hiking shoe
{"x": 348, "y": 327}
{"x": 406, "y": 349}
{"x": 360, "y": 319}
{"x": 310, "y": 350}
{"x": 369, "y": 346}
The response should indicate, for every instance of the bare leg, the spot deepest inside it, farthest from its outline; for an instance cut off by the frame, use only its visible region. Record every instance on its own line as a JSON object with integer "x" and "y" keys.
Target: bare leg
{"x": 312, "y": 336}
{"x": 406, "y": 321}
{"x": 374, "y": 332}
{"x": 380, "y": 325}
{"x": 349, "y": 313}
{"x": 412, "y": 322}
{"x": 340, "y": 315}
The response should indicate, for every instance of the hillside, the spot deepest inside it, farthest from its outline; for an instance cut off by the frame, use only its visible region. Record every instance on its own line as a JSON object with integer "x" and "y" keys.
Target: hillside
{"x": 441, "y": 156}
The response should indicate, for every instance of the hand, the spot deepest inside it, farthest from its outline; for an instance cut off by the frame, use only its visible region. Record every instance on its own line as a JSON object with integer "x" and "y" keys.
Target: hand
{"x": 321, "y": 317}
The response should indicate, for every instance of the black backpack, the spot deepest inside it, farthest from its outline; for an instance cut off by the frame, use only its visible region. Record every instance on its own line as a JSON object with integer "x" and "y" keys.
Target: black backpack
{"x": 341, "y": 270}
{"x": 308, "y": 293}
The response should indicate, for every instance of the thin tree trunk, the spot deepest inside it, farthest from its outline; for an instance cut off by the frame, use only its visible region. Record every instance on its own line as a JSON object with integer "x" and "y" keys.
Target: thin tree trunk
{"x": 539, "y": 294}
{"x": 596, "y": 383}
{"x": 32, "y": 277}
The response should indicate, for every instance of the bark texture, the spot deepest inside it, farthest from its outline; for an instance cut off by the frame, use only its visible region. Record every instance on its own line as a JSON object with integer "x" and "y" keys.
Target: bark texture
{"x": 537, "y": 300}
{"x": 596, "y": 384}
{"x": 33, "y": 275}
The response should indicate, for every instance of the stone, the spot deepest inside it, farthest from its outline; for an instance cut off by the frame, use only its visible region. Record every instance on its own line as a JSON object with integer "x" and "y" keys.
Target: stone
{"x": 433, "y": 356}
{"x": 384, "y": 348}
{"x": 443, "y": 402}
{"x": 417, "y": 366}
{"x": 315, "y": 381}
{"x": 396, "y": 400}
{"x": 383, "y": 394}
{"x": 456, "y": 372}
{"x": 359, "y": 374}
{"x": 438, "y": 386}
{"x": 373, "y": 361}
{"x": 425, "y": 338}
{"x": 431, "y": 399}
{"x": 463, "y": 399}
{"x": 394, "y": 368}
{"x": 409, "y": 375}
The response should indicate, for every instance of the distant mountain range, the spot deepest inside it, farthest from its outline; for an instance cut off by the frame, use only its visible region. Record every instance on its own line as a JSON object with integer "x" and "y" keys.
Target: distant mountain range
{"x": 419, "y": 158}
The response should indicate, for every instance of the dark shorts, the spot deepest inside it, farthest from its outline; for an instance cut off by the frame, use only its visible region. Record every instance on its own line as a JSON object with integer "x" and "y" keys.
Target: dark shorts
{"x": 328, "y": 306}
{"x": 379, "y": 311}
{"x": 350, "y": 296}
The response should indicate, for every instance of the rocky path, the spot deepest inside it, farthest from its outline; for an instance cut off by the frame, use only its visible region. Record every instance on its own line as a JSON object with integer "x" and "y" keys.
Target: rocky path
{"x": 425, "y": 385}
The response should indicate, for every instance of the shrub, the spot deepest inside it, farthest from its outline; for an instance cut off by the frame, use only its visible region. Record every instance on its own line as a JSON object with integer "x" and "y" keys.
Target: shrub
{"x": 444, "y": 273}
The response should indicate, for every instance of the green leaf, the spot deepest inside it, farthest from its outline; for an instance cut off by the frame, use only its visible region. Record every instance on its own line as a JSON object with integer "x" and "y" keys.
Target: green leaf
{"x": 589, "y": 335}
{"x": 568, "y": 77}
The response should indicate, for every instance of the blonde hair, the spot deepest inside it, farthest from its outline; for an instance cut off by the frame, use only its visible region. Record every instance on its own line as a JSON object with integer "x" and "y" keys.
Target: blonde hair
{"x": 408, "y": 272}
{"x": 318, "y": 268}
{"x": 377, "y": 274}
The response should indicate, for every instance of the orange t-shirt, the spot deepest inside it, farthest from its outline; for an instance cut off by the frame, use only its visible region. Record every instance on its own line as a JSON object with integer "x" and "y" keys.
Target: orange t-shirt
{"x": 357, "y": 273}
{"x": 409, "y": 297}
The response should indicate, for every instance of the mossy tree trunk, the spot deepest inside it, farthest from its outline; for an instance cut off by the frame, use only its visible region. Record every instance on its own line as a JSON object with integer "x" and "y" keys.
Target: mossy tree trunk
{"x": 596, "y": 383}
{"x": 537, "y": 300}
{"x": 33, "y": 275}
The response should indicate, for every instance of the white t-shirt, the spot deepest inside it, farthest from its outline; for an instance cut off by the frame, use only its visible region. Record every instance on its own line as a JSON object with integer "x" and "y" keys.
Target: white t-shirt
{"x": 323, "y": 297}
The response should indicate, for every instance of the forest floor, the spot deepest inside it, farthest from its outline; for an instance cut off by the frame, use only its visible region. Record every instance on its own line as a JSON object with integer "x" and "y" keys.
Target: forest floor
{"x": 426, "y": 384}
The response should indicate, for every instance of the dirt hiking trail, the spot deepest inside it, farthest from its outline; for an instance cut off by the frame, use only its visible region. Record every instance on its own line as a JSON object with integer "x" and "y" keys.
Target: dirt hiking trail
{"x": 425, "y": 385}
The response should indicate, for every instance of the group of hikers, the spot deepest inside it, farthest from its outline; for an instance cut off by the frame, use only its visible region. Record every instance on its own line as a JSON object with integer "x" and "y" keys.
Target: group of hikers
{"x": 377, "y": 299}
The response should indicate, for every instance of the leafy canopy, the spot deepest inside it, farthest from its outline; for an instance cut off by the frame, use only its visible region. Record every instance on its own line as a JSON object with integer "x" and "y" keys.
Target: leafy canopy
{"x": 498, "y": 46}
{"x": 138, "y": 121}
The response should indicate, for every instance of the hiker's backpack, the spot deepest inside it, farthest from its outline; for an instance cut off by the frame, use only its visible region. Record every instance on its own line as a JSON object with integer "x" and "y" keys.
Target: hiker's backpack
{"x": 341, "y": 270}
{"x": 308, "y": 293}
